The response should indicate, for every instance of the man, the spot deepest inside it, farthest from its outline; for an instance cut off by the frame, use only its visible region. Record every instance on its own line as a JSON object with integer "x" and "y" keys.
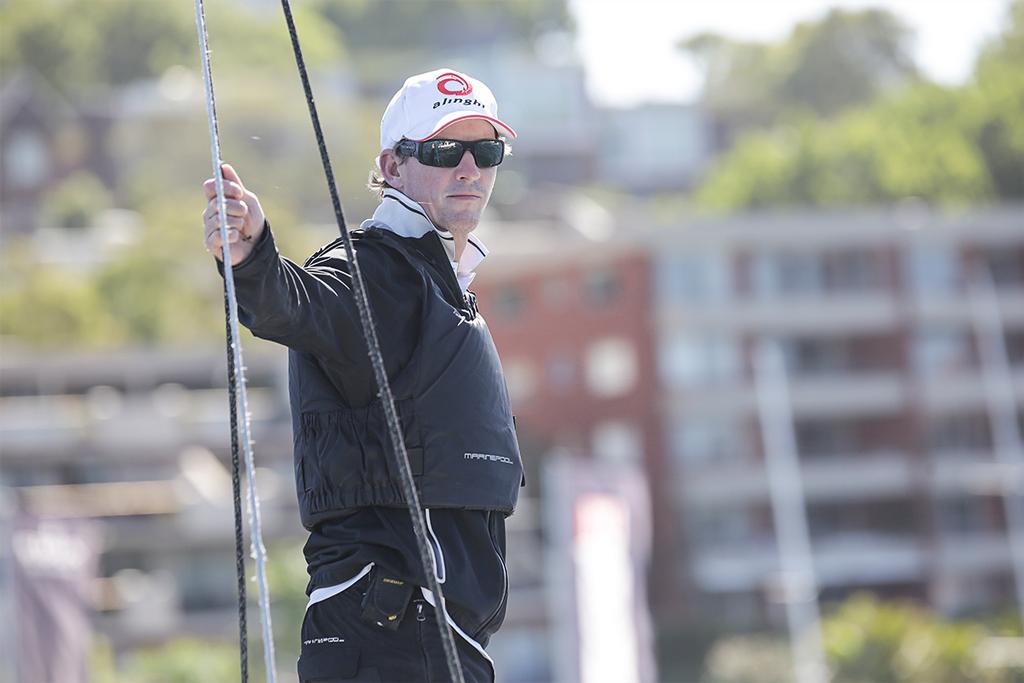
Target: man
{"x": 368, "y": 618}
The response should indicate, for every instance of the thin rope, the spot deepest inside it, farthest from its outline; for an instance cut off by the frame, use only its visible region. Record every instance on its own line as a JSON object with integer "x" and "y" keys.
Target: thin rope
{"x": 400, "y": 456}
{"x": 237, "y": 397}
{"x": 243, "y": 635}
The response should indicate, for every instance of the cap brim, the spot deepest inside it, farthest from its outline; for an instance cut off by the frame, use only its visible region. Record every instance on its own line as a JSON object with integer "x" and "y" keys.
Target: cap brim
{"x": 448, "y": 119}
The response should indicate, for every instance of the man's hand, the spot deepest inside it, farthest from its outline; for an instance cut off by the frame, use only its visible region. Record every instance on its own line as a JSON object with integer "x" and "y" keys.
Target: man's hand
{"x": 244, "y": 217}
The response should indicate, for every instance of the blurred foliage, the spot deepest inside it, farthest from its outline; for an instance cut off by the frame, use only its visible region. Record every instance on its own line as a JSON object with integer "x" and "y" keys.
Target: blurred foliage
{"x": 749, "y": 659}
{"x": 944, "y": 145}
{"x": 189, "y": 660}
{"x": 826, "y": 66}
{"x": 287, "y": 578}
{"x": 370, "y": 25}
{"x": 76, "y": 201}
{"x": 111, "y": 55}
{"x": 78, "y": 45}
{"x": 186, "y": 660}
{"x": 135, "y": 66}
{"x": 870, "y": 641}
{"x": 866, "y": 640}
{"x": 50, "y": 307}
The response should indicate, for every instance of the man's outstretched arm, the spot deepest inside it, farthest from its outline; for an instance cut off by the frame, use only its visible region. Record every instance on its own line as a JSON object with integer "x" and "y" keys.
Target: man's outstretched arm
{"x": 309, "y": 309}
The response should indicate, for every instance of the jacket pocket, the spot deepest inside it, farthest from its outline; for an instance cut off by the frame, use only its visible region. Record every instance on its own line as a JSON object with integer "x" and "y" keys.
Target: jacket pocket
{"x": 348, "y": 448}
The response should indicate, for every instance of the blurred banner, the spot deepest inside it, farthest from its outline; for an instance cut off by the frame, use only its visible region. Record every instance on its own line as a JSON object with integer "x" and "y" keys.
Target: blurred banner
{"x": 598, "y": 553}
{"x": 54, "y": 567}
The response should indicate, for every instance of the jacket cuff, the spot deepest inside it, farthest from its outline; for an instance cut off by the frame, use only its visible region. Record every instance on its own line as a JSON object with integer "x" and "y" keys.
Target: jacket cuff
{"x": 265, "y": 249}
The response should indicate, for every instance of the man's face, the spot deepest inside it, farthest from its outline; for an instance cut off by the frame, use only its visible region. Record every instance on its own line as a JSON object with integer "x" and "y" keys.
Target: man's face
{"x": 454, "y": 198}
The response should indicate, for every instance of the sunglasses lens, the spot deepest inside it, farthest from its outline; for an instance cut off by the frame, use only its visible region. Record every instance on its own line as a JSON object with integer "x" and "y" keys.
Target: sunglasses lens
{"x": 489, "y": 153}
{"x": 443, "y": 153}
{"x": 449, "y": 153}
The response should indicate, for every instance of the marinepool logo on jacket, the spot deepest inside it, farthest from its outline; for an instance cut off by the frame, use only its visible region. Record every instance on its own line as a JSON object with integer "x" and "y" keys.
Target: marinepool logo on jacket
{"x": 488, "y": 457}
{"x": 457, "y": 87}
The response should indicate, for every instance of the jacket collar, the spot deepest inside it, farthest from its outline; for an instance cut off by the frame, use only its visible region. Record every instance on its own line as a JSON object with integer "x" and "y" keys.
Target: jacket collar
{"x": 406, "y": 218}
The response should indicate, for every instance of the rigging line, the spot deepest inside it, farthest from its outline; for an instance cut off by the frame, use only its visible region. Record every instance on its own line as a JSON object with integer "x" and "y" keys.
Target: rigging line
{"x": 377, "y": 361}
{"x": 238, "y": 401}
{"x": 243, "y": 635}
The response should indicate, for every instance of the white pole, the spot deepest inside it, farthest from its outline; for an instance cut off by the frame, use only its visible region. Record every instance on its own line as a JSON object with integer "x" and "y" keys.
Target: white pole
{"x": 797, "y": 581}
{"x": 8, "y": 599}
{"x": 997, "y": 375}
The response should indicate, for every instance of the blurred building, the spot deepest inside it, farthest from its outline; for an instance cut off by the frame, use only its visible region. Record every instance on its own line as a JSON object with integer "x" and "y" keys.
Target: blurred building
{"x": 628, "y": 339}
{"x": 45, "y": 138}
{"x": 638, "y": 343}
{"x": 139, "y": 440}
{"x": 653, "y": 148}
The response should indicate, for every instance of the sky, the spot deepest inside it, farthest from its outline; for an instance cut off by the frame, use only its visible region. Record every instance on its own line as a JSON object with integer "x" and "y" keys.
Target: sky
{"x": 628, "y": 46}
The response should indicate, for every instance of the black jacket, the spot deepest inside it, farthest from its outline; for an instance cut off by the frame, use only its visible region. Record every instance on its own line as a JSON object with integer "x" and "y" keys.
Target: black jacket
{"x": 455, "y": 414}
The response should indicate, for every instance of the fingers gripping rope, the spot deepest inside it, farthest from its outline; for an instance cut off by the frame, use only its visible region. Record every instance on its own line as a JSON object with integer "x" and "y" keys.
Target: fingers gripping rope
{"x": 238, "y": 402}
{"x": 384, "y": 389}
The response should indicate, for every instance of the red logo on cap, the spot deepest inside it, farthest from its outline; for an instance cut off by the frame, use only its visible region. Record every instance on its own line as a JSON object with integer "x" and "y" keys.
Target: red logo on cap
{"x": 453, "y": 84}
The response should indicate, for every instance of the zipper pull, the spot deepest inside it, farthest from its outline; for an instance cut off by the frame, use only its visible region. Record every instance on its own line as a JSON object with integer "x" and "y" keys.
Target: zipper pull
{"x": 419, "y": 612}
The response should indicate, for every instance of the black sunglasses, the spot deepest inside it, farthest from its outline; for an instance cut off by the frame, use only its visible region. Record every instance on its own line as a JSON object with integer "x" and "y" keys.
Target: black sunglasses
{"x": 448, "y": 153}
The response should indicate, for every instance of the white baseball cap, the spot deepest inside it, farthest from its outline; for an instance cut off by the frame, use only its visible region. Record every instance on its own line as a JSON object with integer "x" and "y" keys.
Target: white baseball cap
{"x": 430, "y": 102}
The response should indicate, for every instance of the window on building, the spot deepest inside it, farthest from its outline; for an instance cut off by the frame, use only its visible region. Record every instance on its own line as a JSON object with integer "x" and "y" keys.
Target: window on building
{"x": 934, "y": 269}
{"x": 881, "y": 518}
{"x": 1015, "y": 346}
{"x": 618, "y": 441}
{"x": 782, "y": 273}
{"x": 855, "y": 270}
{"x": 723, "y": 526}
{"x": 560, "y": 371}
{"x": 1006, "y": 264}
{"x": 557, "y": 292}
{"x": 694, "y": 278}
{"x": 816, "y": 355}
{"x": 967, "y": 514}
{"x": 942, "y": 350}
{"x": 611, "y": 367}
{"x": 27, "y": 159}
{"x": 521, "y": 378}
{"x": 602, "y": 287}
{"x": 826, "y": 438}
{"x": 689, "y": 360}
{"x": 707, "y": 439}
{"x": 509, "y": 302}
{"x": 963, "y": 433}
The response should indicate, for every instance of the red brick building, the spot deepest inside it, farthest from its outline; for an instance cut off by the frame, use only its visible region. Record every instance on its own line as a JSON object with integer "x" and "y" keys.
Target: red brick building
{"x": 575, "y": 338}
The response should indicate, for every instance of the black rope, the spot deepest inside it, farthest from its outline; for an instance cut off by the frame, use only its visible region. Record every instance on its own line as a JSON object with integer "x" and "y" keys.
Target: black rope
{"x": 236, "y": 489}
{"x": 419, "y": 524}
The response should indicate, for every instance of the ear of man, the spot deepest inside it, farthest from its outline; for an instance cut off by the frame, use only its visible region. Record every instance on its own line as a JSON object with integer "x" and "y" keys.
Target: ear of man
{"x": 391, "y": 167}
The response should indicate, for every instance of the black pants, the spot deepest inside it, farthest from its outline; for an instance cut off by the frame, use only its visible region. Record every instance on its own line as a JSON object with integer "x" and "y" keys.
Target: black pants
{"x": 338, "y": 645}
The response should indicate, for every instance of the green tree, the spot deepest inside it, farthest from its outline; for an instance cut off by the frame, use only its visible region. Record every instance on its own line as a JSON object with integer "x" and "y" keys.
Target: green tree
{"x": 945, "y": 145}
{"x": 186, "y": 660}
{"x": 824, "y": 67}
{"x": 997, "y": 98}
{"x": 76, "y": 201}
{"x": 368, "y": 25}
{"x": 77, "y": 45}
{"x": 870, "y": 641}
{"x": 43, "y": 307}
{"x": 911, "y": 144}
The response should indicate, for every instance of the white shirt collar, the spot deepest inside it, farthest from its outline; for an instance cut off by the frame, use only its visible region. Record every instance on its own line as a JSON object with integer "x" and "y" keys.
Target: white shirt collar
{"x": 406, "y": 218}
